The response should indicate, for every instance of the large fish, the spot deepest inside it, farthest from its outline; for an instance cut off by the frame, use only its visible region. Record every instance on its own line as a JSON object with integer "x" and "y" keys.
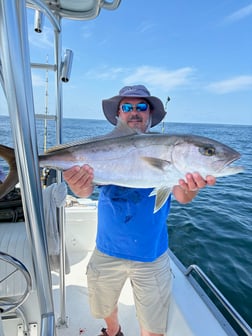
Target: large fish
{"x": 126, "y": 158}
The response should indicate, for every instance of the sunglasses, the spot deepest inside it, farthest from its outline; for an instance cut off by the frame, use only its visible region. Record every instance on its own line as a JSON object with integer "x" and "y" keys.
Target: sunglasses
{"x": 140, "y": 107}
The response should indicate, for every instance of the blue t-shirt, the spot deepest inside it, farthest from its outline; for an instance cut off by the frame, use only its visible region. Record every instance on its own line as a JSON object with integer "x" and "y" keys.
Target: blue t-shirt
{"x": 127, "y": 226}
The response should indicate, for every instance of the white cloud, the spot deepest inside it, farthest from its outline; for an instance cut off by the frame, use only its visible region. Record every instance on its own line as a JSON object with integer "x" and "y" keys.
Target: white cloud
{"x": 234, "y": 84}
{"x": 150, "y": 76}
{"x": 41, "y": 40}
{"x": 163, "y": 78}
{"x": 38, "y": 80}
{"x": 86, "y": 32}
{"x": 145, "y": 26}
{"x": 239, "y": 14}
{"x": 105, "y": 73}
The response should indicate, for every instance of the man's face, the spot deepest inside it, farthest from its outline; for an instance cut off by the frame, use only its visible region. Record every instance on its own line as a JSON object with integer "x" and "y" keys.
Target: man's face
{"x": 135, "y": 112}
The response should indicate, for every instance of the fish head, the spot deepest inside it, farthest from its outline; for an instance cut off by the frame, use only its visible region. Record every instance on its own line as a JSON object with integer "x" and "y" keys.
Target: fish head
{"x": 206, "y": 156}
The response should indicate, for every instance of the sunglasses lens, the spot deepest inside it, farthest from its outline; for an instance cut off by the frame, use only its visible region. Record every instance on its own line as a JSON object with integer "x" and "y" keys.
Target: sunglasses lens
{"x": 142, "y": 107}
{"x": 127, "y": 107}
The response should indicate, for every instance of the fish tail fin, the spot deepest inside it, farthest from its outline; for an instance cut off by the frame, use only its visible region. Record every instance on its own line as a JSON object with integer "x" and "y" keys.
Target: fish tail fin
{"x": 11, "y": 180}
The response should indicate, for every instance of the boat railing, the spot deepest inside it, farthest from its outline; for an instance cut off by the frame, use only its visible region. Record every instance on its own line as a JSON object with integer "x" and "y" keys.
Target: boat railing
{"x": 8, "y": 304}
{"x": 226, "y": 304}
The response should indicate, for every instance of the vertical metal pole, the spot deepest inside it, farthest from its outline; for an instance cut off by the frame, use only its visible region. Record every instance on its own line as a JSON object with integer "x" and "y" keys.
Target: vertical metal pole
{"x": 62, "y": 320}
{"x": 1, "y": 327}
{"x": 15, "y": 60}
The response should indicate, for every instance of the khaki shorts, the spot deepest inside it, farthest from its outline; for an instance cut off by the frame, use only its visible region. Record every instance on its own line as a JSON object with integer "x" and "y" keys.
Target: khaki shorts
{"x": 151, "y": 283}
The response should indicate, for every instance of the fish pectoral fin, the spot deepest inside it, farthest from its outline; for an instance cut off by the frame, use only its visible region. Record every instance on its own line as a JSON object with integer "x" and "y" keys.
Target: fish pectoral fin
{"x": 157, "y": 163}
{"x": 162, "y": 195}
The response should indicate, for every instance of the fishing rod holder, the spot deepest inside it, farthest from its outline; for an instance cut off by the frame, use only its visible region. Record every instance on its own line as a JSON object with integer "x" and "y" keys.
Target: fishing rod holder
{"x": 67, "y": 66}
{"x": 38, "y": 21}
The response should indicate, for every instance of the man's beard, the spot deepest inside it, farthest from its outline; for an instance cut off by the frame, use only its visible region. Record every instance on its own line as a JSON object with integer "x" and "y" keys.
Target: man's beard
{"x": 140, "y": 128}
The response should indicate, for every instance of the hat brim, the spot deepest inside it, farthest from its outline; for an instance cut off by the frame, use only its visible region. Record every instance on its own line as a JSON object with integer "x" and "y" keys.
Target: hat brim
{"x": 110, "y": 108}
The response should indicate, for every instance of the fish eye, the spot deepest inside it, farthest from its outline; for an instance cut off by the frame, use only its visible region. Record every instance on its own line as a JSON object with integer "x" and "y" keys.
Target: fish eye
{"x": 207, "y": 150}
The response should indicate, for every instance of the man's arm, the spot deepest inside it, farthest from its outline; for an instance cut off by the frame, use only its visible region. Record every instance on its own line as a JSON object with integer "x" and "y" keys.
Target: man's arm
{"x": 187, "y": 189}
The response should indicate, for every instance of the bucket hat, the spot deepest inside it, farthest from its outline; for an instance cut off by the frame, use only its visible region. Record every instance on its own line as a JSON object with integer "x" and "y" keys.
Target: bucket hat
{"x": 110, "y": 106}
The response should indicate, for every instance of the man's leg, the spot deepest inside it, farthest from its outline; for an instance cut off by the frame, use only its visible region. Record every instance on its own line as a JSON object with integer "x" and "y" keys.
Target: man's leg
{"x": 147, "y": 333}
{"x": 151, "y": 283}
{"x": 112, "y": 323}
{"x": 106, "y": 276}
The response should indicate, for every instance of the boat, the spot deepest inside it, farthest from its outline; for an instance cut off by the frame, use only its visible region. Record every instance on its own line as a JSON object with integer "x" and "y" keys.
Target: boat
{"x": 39, "y": 296}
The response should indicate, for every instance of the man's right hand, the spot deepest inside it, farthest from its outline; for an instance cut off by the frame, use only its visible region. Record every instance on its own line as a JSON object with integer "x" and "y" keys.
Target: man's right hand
{"x": 80, "y": 180}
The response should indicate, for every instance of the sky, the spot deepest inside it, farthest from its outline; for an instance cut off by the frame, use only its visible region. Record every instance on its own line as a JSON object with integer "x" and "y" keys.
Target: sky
{"x": 198, "y": 53}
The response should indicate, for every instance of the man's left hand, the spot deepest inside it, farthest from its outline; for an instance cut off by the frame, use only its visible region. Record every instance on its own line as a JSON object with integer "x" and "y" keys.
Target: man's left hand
{"x": 195, "y": 182}
{"x": 187, "y": 189}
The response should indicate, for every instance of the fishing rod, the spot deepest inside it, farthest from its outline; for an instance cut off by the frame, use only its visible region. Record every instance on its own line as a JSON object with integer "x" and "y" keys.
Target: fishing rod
{"x": 45, "y": 171}
{"x": 46, "y": 106}
{"x": 165, "y": 107}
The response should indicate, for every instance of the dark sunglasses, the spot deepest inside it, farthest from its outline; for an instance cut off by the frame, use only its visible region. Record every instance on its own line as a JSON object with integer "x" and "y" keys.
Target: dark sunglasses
{"x": 128, "y": 107}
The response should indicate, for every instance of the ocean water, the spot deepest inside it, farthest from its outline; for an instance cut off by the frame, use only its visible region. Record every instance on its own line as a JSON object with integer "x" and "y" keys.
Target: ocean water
{"x": 215, "y": 230}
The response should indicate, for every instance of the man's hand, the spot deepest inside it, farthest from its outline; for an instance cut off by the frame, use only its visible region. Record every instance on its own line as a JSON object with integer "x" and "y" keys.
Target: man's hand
{"x": 80, "y": 180}
{"x": 187, "y": 189}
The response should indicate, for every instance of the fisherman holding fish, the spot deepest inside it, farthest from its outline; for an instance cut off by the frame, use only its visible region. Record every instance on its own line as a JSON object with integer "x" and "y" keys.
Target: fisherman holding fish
{"x": 132, "y": 240}
{"x": 137, "y": 172}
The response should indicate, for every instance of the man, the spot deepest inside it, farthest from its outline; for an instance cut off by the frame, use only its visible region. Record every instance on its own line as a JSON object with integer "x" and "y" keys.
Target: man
{"x": 131, "y": 241}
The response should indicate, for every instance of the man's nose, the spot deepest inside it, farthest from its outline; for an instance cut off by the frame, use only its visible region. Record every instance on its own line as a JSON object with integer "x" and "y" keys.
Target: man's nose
{"x": 135, "y": 110}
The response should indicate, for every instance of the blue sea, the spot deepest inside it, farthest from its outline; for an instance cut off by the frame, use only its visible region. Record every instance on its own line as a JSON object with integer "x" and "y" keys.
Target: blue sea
{"x": 215, "y": 230}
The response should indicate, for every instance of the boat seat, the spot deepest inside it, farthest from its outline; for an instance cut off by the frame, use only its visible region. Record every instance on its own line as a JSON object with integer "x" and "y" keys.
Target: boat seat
{"x": 13, "y": 241}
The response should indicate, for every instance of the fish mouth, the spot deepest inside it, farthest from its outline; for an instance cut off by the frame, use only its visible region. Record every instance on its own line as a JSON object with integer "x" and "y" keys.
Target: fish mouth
{"x": 228, "y": 169}
{"x": 235, "y": 157}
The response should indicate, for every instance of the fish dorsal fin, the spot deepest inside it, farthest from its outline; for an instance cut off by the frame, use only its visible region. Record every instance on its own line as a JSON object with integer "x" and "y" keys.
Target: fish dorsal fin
{"x": 157, "y": 163}
{"x": 121, "y": 129}
{"x": 162, "y": 195}
{"x": 67, "y": 145}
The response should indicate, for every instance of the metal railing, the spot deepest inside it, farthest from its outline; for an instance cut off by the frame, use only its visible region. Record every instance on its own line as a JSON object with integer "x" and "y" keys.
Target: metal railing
{"x": 226, "y": 304}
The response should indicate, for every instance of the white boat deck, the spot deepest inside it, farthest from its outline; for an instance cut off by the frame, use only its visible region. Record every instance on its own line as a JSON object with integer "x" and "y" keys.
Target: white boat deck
{"x": 189, "y": 315}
